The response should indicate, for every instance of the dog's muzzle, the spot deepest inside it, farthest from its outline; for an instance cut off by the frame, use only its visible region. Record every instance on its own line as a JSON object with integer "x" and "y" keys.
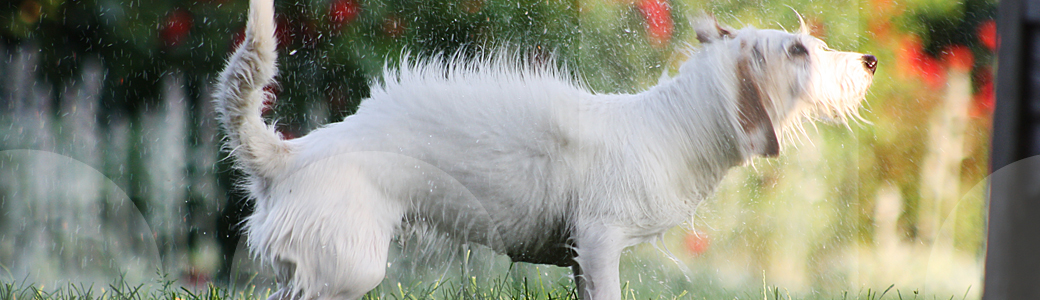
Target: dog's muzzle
{"x": 870, "y": 62}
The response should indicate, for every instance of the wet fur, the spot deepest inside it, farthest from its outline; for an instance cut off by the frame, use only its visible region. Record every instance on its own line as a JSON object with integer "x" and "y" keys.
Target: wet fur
{"x": 519, "y": 158}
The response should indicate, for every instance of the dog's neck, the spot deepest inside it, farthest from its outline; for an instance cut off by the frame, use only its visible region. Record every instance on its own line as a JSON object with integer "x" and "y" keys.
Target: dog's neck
{"x": 690, "y": 122}
{"x": 697, "y": 105}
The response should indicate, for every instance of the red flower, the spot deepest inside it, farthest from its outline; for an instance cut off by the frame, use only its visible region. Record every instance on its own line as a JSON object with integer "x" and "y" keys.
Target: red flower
{"x": 911, "y": 55}
{"x": 930, "y": 70}
{"x": 984, "y": 94}
{"x": 659, "y": 25}
{"x": 343, "y": 12}
{"x": 697, "y": 242}
{"x": 176, "y": 27}
{"x": 959, "y": 57}
{"x": 985, "y": 101}
{"x": 987, "y": 33}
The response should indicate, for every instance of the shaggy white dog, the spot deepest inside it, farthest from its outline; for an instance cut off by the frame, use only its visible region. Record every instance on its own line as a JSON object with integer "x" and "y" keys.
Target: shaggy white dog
{"x": 518, "y": 158}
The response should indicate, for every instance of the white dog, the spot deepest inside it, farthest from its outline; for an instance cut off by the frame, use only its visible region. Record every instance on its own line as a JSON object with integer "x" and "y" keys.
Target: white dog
{"x": 518, "y": 158}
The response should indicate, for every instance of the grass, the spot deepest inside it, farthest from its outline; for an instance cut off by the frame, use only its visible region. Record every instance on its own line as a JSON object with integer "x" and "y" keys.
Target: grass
{"x": 498, "y": 289}
{"x": 163, "y": 289}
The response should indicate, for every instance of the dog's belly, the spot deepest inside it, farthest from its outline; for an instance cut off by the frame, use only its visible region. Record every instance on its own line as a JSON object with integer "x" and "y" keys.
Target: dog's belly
{"x": 528, "y": 206}
{"x": 522, "y": 218}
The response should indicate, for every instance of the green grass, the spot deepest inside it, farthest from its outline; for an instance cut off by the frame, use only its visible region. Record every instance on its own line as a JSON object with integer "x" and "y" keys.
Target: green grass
{"x": 164, "y": 289}
{"x": 497, "y": 289}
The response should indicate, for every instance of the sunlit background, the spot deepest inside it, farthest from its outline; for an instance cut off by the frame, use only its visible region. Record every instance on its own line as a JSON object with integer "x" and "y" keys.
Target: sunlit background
{"x": 110, "y": 166}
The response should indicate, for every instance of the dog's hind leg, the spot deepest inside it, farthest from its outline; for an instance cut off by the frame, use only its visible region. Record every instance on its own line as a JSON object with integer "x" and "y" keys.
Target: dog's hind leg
{"x": 329, "y": 226}
{"x": 283, "y": 275}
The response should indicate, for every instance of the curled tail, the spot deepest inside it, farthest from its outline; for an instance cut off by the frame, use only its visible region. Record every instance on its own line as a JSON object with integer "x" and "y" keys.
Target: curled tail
{"x": 257, "y": 147}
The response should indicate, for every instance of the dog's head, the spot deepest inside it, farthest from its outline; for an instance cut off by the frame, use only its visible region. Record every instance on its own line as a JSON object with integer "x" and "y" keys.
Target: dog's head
{"x": 783, "y": 78}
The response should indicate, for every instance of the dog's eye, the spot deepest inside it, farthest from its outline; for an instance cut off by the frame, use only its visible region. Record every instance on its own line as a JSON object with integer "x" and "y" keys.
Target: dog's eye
{"x": 797, "y": 50}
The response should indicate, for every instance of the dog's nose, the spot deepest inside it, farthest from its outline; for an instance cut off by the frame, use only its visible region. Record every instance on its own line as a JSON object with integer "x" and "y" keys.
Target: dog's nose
{"x": 870, "y": 62}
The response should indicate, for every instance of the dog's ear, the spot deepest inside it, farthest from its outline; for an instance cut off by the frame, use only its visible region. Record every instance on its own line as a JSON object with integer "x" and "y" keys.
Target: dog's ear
{"x": 709, "y": 30}
{"x": 759, "y": 135}
{"x": 802, "y": 28}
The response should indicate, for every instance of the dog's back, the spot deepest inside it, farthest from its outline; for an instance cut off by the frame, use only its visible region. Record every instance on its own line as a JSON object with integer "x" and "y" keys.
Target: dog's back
{"x": 506, "y": 137}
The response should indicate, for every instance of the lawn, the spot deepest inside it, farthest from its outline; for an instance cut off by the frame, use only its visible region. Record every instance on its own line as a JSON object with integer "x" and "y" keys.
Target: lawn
{"x": 498, "y": 288}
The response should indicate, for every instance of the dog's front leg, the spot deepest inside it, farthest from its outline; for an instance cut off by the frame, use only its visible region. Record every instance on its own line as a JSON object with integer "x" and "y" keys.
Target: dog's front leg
{"x": 599, "y": 252}
{"x": 579, "y": 281}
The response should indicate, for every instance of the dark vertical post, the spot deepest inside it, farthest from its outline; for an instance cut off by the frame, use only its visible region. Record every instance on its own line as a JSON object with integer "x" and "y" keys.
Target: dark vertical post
{"x": 1013, "y": 242}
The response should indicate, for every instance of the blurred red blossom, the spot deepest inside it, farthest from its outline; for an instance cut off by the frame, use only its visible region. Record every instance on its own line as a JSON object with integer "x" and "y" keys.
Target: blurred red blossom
{"x": 658, "y": 15}
{"x": 958, "y": 57}
{"x": 696, "y": 242}
{"x": 985, "y": 97}
{"x": 914, "y": 61}
{"x": 987, "y": 33}
{"x": 176, "y": 27}
{"x": 343, "y": 12}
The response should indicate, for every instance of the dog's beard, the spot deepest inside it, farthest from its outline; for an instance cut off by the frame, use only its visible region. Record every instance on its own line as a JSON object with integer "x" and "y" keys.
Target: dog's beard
{"x": 835, "y": 95}
{"x": 832, "y": 96}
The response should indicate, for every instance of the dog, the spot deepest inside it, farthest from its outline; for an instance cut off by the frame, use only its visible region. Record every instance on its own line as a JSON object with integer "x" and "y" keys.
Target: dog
{"x": 517, "y": 157}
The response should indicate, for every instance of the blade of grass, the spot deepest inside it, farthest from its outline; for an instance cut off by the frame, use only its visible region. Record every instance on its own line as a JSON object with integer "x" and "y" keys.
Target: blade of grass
{"x": 886, "y": 291}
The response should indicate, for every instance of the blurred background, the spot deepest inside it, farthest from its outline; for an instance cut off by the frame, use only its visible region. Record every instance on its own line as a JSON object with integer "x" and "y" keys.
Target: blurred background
{"x": 110, "y": 160}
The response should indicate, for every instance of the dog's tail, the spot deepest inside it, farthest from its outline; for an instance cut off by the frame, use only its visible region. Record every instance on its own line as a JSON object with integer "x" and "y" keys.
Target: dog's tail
{"x": 258, "y": 149}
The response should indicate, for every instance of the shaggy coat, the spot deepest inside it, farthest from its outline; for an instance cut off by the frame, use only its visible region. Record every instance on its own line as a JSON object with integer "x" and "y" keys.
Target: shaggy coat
{"x": 519, "y": 158}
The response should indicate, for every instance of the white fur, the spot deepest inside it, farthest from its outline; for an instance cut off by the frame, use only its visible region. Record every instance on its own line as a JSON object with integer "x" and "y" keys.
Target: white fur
{"x": 516, "y": 157}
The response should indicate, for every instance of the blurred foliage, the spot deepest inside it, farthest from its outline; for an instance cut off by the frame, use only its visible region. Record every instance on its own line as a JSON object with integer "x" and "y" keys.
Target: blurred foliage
{"x": 830, "y": 210}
